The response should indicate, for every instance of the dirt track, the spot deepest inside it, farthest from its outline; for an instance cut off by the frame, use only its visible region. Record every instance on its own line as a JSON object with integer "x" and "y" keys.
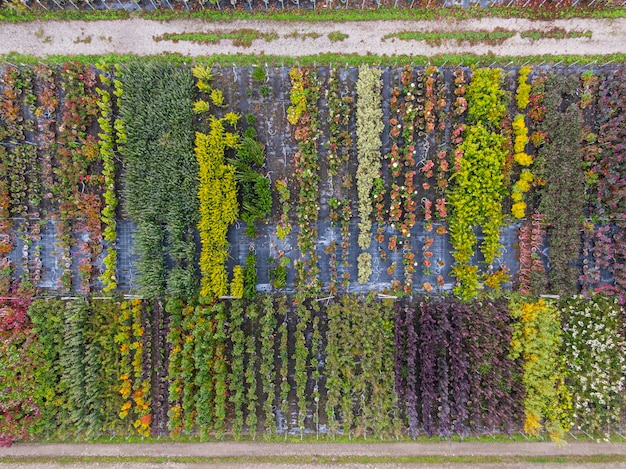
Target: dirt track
{"x": 137, "y": 36}
{"x": 248, "y": 449}
{"x": 308, "y": 451}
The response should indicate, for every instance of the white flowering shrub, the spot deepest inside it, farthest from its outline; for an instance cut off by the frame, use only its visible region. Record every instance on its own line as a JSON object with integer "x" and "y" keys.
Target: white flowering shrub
{"x": 594, "y": 351}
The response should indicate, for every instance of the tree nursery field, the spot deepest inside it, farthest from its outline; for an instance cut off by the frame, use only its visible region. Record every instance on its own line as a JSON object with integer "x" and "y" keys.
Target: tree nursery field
{"x": 383, "y": 251}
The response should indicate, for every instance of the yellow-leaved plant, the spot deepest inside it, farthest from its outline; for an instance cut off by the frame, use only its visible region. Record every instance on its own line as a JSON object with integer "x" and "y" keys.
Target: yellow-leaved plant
{"x": 217, "y": 193}
{"x": 537, "y": 338}
{"x": 109, "y": 127}
{"x": 523, "y": 185}
{"x": 477, "y": 185}
{"x": 236, "y": 286}
{"x": 217, "y": 188}
{"x": 523, "y": 88}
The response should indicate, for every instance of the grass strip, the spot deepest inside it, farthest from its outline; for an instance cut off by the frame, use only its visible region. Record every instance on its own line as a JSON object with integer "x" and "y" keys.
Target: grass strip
{"x": 435, "y": 38}
{"x": 240, "y": 37}
{"x": 554, "y": 33}
{"x": 303, "y": 36}
{"x": 336, "y": 16}
{"x": 322, "y": 460}
{"x": 336, "y": 36}
{"x": 328, "y": 59}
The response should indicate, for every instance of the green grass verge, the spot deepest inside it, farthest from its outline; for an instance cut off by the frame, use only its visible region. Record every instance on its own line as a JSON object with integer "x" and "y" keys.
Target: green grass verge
{"x": 325, "y": 15}
{"x": 240, "y": 37}
{"x": 328, "y": 59}
{"x": 336, "y": 36}
{"x": 554, "y": 33}
{"x": 303, "y": 36}
{"x": 294, "y": 460}
{"x": 435, "y": 38}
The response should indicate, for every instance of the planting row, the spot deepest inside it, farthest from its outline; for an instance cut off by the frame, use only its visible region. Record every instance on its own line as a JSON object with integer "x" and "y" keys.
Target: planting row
{"x": 355, "y": 367}
{"x": 311, "y": 181}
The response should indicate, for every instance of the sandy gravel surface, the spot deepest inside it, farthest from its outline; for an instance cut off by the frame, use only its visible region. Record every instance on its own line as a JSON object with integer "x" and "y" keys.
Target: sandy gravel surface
{"x": 248, "y": 449}
{"x": 305, "y": 466}
{"x": 137, "y": 36}
{"x": 309, "y": 451}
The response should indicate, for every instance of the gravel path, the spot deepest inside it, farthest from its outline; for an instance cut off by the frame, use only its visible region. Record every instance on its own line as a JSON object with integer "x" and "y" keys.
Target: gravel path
{"x": 246, "y": 465}
{"x": 137, "y": 36}
{"x": 250, "y": 449}
{"x": 308, "y": 451}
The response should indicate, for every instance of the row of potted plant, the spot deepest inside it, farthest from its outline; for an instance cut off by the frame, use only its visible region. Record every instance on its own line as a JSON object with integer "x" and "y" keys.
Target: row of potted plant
{"x": 111, "y": 136}
{"x": 303, "y": 116}
{"x": 340, "y": 150}
{"x": 558, "y": 366}
{"x": 478, "y": 187}
{"x": 421, "y": 104}
{"x": 134, "y": 379}
{"x": 161, "y": 183}
{"x": 562, "y": 193}
{"x": 605, "y": 184}
{"x": 218, "y": 208}
{"x": 368, "y": 131}
{"x": 77, "y": 182}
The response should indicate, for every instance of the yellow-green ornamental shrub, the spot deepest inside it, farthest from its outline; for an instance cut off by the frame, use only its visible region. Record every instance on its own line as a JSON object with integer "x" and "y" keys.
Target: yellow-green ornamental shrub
{"x": 523, "y": 88}
{"x": 485, "y": 97}
{"x": 520, "y": 131}
{"x": 297, "y": 96}
{"x": 203, "y": 76}
{"x": 477, "y": 184}
{"x": 369, "y": 126}
{"x": 217, "y": 193}
{"x": 236, "y": 286}
{"x": 476, "y": 198}
{"x": 217, "y": 98}
{"x": 201, "y": 106}
{"x": 537, "y": 339}
{"x": 107, "y": 144}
